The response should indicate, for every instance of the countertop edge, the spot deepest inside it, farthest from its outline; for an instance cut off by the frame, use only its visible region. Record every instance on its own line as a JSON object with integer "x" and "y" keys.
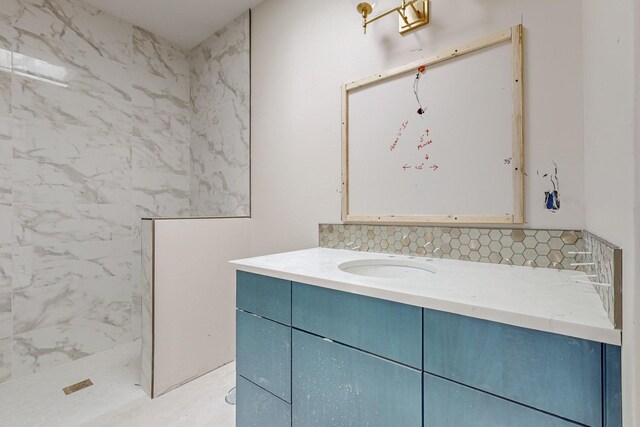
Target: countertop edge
{"x": 556, "y": 326}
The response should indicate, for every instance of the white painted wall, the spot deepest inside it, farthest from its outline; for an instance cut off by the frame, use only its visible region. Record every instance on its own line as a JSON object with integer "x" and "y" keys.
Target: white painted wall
{"x": 636, "y": 262}
{"x": 608, "y": 31}
{"x": 303, "y": 52}
{"x": 636, "y": 321}
{"x": 195, "y": 296}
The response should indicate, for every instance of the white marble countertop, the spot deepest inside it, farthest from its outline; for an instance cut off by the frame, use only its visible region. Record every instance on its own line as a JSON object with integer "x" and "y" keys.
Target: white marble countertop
{"x": 536, "y": 298}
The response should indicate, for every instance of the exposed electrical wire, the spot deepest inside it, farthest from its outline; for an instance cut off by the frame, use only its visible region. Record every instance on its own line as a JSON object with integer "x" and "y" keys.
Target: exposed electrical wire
{"x": 416, "y": 86}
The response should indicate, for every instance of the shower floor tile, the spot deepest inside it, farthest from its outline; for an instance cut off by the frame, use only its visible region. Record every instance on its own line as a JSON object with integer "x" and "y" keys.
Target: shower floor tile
{"x": 116, "y": 398}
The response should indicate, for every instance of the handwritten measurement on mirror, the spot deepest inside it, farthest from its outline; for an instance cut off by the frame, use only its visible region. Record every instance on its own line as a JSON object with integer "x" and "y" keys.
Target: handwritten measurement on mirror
{"x": 422, "y": 146}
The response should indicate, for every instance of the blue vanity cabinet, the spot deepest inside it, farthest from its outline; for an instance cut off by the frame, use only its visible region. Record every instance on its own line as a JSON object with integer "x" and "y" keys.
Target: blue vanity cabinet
{"x": 259, "y": 408}
{"x": 612, "y": 365}
{"x": 448, "y": 404}
{"x": 336, "y": 385}
{"x": 384, "y": 328}
{"x": 556, "y": 374}
{"x": 308, "y": 356}
{"x": 264, "y": 353}
{"x": 265, "y": 296}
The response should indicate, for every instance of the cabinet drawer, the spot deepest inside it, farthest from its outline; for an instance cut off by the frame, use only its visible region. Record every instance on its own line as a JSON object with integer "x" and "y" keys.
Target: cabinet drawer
{"x": 447, "y": 404}
{"x": 385, "y": 328}
{"x": 258, "y": 408}
{"x": 335, "y": 385}
{"x": 263, "y": 353}
{"x": 549, "y": 372}
{"x": 265, "y": 296}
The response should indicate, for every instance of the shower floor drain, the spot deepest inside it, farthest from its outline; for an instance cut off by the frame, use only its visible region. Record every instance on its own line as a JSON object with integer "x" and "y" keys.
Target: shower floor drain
{"x": 77, "y": 387}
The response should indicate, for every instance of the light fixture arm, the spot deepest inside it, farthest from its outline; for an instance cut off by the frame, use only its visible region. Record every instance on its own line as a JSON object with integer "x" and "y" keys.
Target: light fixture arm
{"x": 422, "y": 18}
{"x": 403, "y": 15}
{"x": 416, "y": 11}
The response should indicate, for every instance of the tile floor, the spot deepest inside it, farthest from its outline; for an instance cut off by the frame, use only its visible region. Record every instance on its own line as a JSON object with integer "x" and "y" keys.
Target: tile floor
{"x": 116, "y": 398}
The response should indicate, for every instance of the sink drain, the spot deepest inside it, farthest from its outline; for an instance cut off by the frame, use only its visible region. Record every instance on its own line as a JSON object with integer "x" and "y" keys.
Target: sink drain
{"x": 230, "y": 398}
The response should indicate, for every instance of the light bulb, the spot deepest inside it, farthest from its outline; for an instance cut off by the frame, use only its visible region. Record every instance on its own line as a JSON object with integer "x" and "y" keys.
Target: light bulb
{"x": 365, "y": 5}
{"x": 372, "y": 3}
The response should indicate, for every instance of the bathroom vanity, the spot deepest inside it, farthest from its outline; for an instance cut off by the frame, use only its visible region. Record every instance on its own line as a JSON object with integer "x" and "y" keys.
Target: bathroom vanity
{"x": 329, "y": 337}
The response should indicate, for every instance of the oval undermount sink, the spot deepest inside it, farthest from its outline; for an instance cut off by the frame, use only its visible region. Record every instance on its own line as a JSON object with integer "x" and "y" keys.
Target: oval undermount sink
{"x": 387, "y": 268}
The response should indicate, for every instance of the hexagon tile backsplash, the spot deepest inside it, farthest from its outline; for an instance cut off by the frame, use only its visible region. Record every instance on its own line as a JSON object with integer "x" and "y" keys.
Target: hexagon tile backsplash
{"x": 534, "y": 248}
{"x": 560, "y": 249}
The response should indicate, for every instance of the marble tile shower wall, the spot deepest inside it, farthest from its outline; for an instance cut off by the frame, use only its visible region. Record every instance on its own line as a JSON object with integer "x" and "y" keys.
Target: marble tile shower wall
{"x": 220, "y": 91}
{"x": 94, "y": 135}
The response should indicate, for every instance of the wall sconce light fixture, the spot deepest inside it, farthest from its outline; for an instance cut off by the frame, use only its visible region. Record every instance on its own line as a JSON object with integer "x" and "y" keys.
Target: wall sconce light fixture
{"x": 413, "y": 13}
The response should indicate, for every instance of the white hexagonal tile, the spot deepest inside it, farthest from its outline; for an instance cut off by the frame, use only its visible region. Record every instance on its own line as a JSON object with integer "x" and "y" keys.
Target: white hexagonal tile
{"x": 530, "y": 242}
{"x": 542, "y": 236}
{"x": 518, "y": 247}
{"x": 506, "y": 253}
{"x": 556, "y": 243}
{"x": 542, "y": 249}
{"x": 543, "y": 261}
{"x": 495, "y": 235}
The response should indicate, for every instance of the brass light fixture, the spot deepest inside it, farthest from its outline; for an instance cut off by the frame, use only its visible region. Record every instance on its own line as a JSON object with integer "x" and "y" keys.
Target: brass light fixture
{"x": 413, "y": 14}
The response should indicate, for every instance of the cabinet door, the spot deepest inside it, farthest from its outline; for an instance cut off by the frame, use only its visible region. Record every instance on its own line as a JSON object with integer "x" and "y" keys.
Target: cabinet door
{"x": 265, "y": 296}
{"x": 447, "y": 404}
{"x": 264, "y": 353}
{"x": 256, "y": 407}
{"x": 553, "y": 373}
{"x": 385, "y": 328}
{"x": 335, "y": 385}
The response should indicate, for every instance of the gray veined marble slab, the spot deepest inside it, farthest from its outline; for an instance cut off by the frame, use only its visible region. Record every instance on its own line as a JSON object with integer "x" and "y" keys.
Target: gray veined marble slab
{"x": 104, "y": 141}
{"x": 36, "y": 308}
{"x": 6, "y": 227}
{"x": 52, "y": 104}
{"x": 69, "y": 263}
{"x": 70, "y": 164}
{"x": 136, "y": 322}
{"x": 161, "y": 155}
{"x": 5, "y": 183}
{"x": 37, "y": 182}
{"x": 7, "y": 8}
{"x": 224, "y": 51}
{"x": 58, "y": 61}
{"x": 6, "y": 326}
{"x": 6, "y": 267}
{"x": 160, "y": 194}
{"x": 60, "y": 144}
{"x": 156, "y": 92}
{"x": 219, "y": 99}
{"x": 65, "y": 342}
{"x": 5, "y": 91}
{"x": 6, "y": 155}
{"x": 151, "y": 124}
{"x": 220, "y": 170}
{"x": 5, "y": 359}
{"x": 49, "y": 224}
{"x": 157, "y": 56}
{"x": 221, "y": 193}
{"x": 7, "y": 33}
{"x": 79, "y": 25}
